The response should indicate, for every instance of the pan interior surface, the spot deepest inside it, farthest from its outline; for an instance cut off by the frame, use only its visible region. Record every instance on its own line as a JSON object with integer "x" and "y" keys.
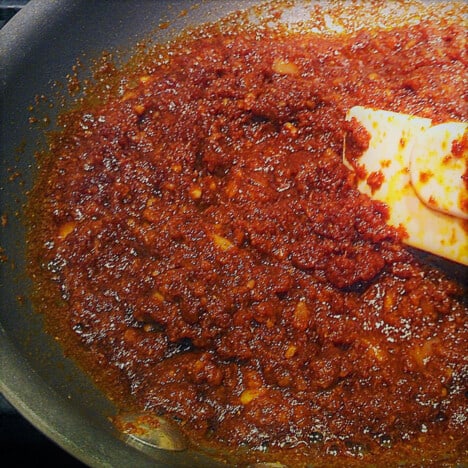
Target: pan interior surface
{"x": 38, "y": 48}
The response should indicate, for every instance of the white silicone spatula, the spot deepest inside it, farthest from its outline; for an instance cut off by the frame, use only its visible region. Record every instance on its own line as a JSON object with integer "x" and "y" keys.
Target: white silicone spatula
{"x": 419, "y": 169}
{"x": 437, "y": 166}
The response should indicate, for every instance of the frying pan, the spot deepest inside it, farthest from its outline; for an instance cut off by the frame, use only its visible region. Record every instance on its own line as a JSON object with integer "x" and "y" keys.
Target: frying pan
{"x": 38, "y": 46}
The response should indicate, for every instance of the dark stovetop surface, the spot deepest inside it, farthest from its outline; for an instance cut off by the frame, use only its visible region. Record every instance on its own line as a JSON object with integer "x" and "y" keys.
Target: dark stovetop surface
{"x": 8, "y": 8}
{"x": 20, "y": 442}
{"x": 23, "y": 445}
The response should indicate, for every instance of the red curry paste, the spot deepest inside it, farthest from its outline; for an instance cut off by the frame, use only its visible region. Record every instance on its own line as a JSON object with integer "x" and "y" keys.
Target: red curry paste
{"x": 210, "y": 245}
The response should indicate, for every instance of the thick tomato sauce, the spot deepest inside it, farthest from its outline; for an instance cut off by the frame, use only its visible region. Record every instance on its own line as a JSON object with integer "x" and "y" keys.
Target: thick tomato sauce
{"x": 209, "y": 245}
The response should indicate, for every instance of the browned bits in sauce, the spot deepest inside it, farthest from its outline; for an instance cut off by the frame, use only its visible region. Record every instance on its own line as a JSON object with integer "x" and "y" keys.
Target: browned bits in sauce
{"x": 210, "y": 246}
{"x": 375, "y": 180}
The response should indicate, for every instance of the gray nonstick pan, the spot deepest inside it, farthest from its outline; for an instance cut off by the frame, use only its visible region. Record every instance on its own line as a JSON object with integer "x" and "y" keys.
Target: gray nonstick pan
{"x": 39, "y": 47}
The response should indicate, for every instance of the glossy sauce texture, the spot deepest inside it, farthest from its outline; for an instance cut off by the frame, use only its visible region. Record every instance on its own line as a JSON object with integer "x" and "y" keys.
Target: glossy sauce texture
{"x": 209, "y": 244}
